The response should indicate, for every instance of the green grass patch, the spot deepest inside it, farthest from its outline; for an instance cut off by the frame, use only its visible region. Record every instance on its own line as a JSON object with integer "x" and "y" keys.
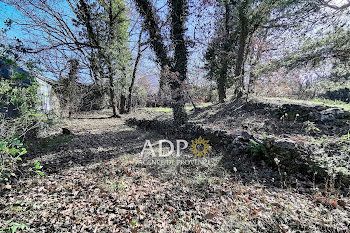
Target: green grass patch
{"x": 188, "y": 107}
{"x": 333, "y": 103}
{"x": 327, "y": 102}
{"x": 159, "y": 109}
{"x": 201, "y": 105}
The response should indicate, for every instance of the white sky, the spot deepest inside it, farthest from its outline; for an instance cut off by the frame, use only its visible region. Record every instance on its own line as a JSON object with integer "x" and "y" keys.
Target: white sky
{"x": 338, "y": 2}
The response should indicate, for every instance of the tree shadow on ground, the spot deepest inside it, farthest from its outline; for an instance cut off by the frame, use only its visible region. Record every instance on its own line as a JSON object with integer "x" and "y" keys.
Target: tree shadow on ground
{"x": 62, "y": 152}
{"x": 96, "y": 118}
{"x": 244, "y": 167}
{"x": 92, "y": 118}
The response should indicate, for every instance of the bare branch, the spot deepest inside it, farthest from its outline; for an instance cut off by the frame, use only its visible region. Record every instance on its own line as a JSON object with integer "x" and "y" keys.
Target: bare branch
{"x": 335, "y": 7}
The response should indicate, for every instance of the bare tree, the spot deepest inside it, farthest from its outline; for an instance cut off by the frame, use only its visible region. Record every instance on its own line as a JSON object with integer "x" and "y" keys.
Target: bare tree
{"x": 140, "y": 50}
{"x": 333, "y": 6}
{"x": 177, "y": 65}
{"x": 72, "y": 82}
{"x": 59, "y": 33}
{"x": 51, "y": 35}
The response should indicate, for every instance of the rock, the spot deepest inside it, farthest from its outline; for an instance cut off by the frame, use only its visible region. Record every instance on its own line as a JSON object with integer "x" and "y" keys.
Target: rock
{"x": 66, "y": 131}
{"x": 237, "y": 150}
{"x": 314, "y": 116}
{"x": 7, "y": 186}
{"x": 242, "y": 135}
{"x": 342, "y": 203}
{"x": 341, "y": 94}
{"x": 331, "y": 114}
{"x": 286, "y": 151}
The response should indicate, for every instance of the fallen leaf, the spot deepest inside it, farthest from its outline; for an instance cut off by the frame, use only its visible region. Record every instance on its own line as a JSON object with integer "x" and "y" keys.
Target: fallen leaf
{"x": 7, "y": 186}
{"x": 209, "y": 216}
{"x": 334, "y": 204}
{"x": 275, "y": 204}
{"x": 342, "y": 203}
{"x": 257, "y": 211}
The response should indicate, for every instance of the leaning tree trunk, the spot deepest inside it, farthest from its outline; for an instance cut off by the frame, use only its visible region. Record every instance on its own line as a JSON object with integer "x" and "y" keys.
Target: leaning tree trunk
{"x": 138, "y": 57}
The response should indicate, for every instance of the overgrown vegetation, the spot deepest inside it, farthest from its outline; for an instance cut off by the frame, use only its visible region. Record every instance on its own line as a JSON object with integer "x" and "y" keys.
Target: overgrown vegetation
{"x": 20, "y": 118}
{"x": 249, "y": 98}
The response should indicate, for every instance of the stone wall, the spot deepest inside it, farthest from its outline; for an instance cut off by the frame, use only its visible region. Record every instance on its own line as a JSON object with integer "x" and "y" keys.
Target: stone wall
{"x": 293, "y": 156}
{"x": 341, "y": 94}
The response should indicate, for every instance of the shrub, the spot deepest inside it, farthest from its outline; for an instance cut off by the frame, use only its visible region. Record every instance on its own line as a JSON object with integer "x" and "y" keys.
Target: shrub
{"x": 19, "y": 117}
{"x": 257, "y": 149}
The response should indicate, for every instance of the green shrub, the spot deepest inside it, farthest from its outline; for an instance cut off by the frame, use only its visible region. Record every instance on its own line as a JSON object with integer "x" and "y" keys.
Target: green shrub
{"x": 13, "y": 226}
{"x": 257, "y": 149}
{"x": 23, "y": 100}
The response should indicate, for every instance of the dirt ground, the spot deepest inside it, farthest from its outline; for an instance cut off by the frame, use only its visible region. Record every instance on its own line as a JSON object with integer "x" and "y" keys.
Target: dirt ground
{"x": 95, "y": 181}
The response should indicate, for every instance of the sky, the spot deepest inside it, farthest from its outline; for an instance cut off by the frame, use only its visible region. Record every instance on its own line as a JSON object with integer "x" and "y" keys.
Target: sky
{"x": 8, "y": 12}
{"x": 338, "y": 2}
{"x": 147, "y": 65}
{"x": 16, "y": 31}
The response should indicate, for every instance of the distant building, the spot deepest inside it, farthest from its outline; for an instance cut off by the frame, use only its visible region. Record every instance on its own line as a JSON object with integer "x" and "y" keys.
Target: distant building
{"x": 49, "y": 101}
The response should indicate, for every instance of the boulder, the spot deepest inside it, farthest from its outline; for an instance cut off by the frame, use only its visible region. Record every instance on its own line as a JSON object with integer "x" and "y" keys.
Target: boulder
{"x": 341, "y": 94}
{"x": 331, "y": 114}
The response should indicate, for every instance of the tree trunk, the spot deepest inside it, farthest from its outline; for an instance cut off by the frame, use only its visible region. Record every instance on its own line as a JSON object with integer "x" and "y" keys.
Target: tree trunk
{"x": 72, "y": 83}
{"x": 178, "y": 13}
{"x": 178, "y": 17}
{"x": 152, "y": 25}
{"x": 239, "y": 69}
{"x": 227, "y": 47}
{"x": 222, "y": 87}
{"x": 252, "y": 76}
{"x": 122, "y": 109}
{"x": 138, "y": 57}
{"x": 179, "y": 113}
{"x": 111, "y": 92}
{"x": 255, "y": 61}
